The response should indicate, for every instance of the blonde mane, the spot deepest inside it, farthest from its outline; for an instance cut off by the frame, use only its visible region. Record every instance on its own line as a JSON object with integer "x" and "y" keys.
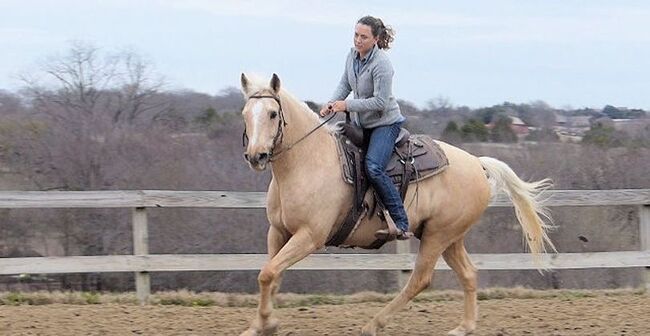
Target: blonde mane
{"x": 259, "y": 84}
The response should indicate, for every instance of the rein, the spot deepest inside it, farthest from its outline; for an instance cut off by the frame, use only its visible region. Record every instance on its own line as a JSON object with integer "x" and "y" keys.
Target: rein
{"x": 279, "y": 135}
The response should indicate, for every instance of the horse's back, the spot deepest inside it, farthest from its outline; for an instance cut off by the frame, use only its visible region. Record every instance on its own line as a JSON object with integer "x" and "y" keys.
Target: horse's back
{"x": 465, "y": 173}
{"x": 460, "y": 191}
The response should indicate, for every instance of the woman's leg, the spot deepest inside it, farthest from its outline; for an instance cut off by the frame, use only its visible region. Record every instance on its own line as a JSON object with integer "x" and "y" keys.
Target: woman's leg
{"x": 380, "y": 148}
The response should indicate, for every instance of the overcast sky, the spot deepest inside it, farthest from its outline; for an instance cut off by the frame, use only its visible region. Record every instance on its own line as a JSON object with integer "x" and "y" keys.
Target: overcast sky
{"x": 475, "y": 53}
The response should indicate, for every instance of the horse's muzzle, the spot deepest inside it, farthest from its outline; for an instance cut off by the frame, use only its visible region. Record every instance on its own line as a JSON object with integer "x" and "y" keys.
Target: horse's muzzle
{"x": 257, "y": 161}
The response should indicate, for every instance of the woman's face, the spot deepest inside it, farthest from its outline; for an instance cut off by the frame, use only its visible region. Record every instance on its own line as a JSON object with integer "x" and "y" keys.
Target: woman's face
{"x": 363, "y": 38}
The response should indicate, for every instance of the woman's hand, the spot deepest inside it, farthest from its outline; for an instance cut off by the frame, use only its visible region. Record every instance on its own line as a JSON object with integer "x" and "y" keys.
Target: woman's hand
{"x": 326, "y": 109}
{"x": 339, "y": 106}
{"x": 333, "y": 107}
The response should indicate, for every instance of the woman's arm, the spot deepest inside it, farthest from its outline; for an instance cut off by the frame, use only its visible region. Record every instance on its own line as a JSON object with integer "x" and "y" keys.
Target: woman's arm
{"x": 344, "y": 88}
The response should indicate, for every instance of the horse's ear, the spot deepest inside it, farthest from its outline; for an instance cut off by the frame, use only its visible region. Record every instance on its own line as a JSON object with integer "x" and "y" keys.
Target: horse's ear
{"x": 244, "y": 84}
{"x": 275, "y": 84}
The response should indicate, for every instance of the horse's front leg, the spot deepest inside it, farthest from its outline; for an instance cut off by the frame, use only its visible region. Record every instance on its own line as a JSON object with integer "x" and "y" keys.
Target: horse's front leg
{"x": 297, "y": 248}
{"x": 276, "y": 239}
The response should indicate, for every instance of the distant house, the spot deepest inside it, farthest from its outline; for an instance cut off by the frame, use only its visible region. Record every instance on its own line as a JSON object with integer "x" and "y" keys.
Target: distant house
{"x": 520, "y": 128}
{"x": 631, "y": 126}
{"x": 578, "y": 121}
{"x": 571, "y": 128}
{"x": 603, "y": 121}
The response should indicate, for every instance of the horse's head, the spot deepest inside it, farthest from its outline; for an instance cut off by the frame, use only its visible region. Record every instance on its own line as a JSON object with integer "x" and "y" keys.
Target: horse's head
{"x": 264, "y": 120}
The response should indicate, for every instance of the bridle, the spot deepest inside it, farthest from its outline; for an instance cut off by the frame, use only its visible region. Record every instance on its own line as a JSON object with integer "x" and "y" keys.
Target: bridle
{"x": 279, "y": 135}
{"x": 281, "y": 123}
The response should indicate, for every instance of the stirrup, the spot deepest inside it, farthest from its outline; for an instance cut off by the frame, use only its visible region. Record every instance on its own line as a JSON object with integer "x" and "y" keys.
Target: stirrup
{"x": 405, "y": 235}
{"x": 385, "y": 234}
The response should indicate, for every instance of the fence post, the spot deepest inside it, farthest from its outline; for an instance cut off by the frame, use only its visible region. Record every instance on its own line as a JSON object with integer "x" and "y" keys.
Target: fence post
{"x": 141, "y": 247}
{"x": 402, "y": 247}
{"x": 644, "y": 232}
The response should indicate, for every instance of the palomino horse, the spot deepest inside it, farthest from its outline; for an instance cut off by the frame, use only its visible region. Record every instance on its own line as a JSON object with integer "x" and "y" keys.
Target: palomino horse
{"x": 307, "y": 198}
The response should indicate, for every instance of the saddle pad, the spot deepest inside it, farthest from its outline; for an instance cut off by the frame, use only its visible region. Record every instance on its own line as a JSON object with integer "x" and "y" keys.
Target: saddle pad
{"x": 429, "y": 159}
{"x": 346, "y": 150}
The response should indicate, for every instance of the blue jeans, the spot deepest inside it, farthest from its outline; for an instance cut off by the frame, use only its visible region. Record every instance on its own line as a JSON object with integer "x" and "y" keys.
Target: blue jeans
{"x": 380, "y": 148}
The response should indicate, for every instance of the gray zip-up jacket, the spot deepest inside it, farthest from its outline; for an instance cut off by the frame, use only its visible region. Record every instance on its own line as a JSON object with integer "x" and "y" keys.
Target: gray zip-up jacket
{"x": 373, "y": 100}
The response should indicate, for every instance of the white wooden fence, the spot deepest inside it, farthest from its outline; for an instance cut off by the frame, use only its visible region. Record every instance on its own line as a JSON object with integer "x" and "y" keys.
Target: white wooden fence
{"x": 142, "y": 263}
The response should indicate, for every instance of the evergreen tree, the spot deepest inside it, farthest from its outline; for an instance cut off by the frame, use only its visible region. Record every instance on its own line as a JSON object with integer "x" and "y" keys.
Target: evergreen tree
{"x": 612, "y": 112}
{"x": 604, "y": 136}
{"x": 545, "y": 134}
{"x": 502, "y": 130}
{"x": 474, "y": 130}
{"x": 452, "y": 133}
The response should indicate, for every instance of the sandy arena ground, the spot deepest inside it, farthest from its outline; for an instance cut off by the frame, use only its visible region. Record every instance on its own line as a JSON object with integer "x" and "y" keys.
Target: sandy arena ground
{"x": 617, "y": 315}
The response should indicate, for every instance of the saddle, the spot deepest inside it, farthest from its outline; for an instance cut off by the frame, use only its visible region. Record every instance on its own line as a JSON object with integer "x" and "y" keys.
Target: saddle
{"x": 415, "y": 157}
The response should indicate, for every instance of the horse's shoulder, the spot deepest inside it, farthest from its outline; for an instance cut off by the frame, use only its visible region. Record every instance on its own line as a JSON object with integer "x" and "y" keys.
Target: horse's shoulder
{"x": 273, "y": 195}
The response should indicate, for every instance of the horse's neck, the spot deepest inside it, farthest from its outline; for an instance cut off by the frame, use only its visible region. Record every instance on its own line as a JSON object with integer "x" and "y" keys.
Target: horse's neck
{"x": 309, "y": 156}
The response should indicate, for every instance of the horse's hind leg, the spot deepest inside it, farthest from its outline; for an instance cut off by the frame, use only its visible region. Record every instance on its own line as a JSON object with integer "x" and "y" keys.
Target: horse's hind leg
{"x": 428, "y": 254}
{"x": 456, "y": 257}
{"x": 297, "y": 248}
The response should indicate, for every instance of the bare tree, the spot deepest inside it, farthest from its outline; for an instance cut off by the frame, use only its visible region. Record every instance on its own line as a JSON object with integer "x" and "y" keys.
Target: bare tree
{"x": 136, "y": 91}
{"x": 441, "y": 106}
{"x": 88, "y": 125}
{"x": 88, "y": 102}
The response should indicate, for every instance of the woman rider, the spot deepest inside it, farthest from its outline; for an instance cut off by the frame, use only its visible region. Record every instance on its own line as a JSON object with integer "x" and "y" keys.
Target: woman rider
{"x": 369, "y": 74}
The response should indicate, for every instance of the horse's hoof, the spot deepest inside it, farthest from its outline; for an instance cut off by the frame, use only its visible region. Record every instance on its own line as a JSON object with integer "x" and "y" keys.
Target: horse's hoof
{"x": 249, "y": 332}
{"x": 460, "y": 331}
{"x": 270, "y": 328}
{"x": 369, "y": 331}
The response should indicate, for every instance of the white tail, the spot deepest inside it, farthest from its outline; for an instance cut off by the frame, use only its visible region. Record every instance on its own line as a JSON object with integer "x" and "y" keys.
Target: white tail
{"x": 528, "y": 206}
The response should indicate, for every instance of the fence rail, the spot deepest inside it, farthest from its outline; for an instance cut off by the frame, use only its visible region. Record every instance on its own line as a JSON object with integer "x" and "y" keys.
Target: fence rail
{"x": 251, "y": 200}
{"x": 248, "y": 262}
{"x": 141, "y": 262}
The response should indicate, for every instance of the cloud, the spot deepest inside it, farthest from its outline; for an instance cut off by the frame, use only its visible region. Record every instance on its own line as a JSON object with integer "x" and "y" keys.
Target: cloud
{"x": 297, "y": 11}
{"x": 481, "y": 23}
{"x": 595, "y": 25}
{"x": 15, "y": 35}
{"x": 336, "y": 12}
{"x": 626, "y": 27}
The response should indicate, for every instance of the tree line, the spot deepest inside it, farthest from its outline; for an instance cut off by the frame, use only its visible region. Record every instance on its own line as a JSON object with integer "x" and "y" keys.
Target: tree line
{"x": 91, "y": 120}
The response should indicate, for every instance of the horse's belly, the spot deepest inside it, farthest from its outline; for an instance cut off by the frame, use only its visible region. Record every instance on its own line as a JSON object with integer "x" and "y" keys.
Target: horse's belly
{"x": 364, "y": 234}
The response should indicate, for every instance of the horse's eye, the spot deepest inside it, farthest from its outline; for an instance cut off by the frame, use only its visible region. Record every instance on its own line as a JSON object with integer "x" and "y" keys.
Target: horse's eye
{"x": 274, "y": 114}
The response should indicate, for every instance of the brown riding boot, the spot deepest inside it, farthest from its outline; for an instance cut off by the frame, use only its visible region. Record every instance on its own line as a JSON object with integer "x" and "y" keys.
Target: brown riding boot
{"x": 392, "y": 232}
